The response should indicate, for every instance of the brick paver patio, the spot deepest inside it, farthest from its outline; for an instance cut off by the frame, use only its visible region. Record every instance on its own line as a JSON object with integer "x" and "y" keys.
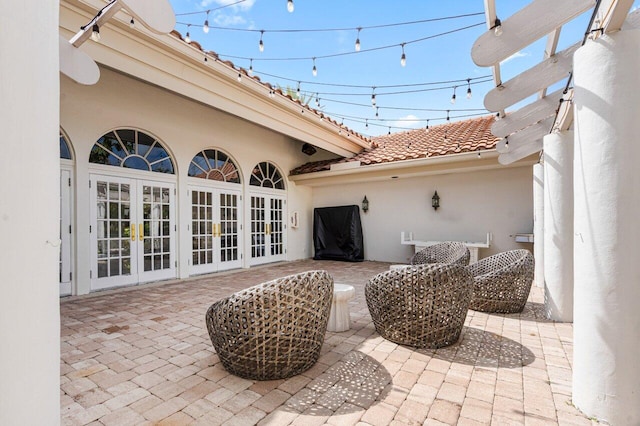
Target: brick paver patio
{"x": 143, "y": 356}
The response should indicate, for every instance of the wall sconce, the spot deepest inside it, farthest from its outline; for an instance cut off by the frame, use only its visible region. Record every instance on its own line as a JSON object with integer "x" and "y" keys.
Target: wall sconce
{"x": 365, "y": 204}
{"x": 435, "y": 201}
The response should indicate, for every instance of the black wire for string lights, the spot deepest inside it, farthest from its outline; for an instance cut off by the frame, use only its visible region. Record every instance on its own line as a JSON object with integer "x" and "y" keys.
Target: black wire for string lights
{"x": 210, "y": 10}
{"x": 399, "y": 108}
{"x": 373, "y": 49}
{"x": 372, "y": 121}
{"x": 317, "y": 30}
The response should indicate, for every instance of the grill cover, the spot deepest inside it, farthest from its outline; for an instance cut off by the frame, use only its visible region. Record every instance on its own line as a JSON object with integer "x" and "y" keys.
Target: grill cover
{"x": 337, "y": 234}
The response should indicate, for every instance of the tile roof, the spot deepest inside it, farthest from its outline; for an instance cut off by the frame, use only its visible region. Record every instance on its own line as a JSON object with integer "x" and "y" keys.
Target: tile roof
{"x": 445, "y": 139}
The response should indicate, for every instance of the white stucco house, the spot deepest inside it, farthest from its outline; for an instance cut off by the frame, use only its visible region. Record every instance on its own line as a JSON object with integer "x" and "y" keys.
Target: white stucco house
{"x": 176, "y": 164}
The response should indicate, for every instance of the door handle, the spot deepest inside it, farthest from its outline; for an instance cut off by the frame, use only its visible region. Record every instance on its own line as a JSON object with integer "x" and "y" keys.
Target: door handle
{"x": 219, "y": 229}
{"x": 132, "y": 228}
{"x": 267, "y": 228}
{"x": 141, "y": 232}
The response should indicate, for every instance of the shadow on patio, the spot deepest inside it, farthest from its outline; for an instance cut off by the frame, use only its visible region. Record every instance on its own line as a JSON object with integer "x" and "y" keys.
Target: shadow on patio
{"x": 142, "y": 355}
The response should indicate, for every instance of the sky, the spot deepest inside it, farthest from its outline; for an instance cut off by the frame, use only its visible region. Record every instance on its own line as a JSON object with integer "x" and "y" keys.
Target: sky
{"x": 411, "y": 96}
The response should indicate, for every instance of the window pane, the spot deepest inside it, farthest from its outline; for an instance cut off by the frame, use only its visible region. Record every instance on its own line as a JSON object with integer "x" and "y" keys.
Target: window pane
{"x": 128, "y": 138}
{"x": 137, "y": 163}
{"x": 64, "y": 149}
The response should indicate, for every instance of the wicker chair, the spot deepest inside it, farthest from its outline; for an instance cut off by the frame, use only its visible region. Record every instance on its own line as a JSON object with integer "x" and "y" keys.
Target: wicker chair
{"x": 274, "y": 330}
{"x": 446, "y": 252}
{"x": 422, "y": 306}
{"x": 502, "y": 282}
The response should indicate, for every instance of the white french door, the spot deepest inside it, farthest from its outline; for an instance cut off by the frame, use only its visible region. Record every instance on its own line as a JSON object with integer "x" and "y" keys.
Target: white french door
{"x": 65, "y": 232}
{"x": 268, "y": 229}
{"x": 216, "y": 230}
{"x": 132, "y": 231}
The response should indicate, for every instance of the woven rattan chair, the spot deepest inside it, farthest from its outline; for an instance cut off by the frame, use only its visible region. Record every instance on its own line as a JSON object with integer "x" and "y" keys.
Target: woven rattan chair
{"x": 274, "y": 330}
{"x": 502, "y": 282}
{"x": 422, "y": 306}
{"x": 446, "y": 252}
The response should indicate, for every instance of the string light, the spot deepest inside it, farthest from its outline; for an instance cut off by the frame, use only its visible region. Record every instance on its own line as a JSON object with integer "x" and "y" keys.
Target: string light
{"x": 497, "y": 27}
{"x": 469, "y": 88}
{"x": 427, "y": 128}
{"x": 389, "y": 132}
{"x": 261, "y": 44}
{"x": 314, "y": 71}
{"x": 132, "y": 23}
{"x": 377, "y": 112}
{"x": 298, "y": 91}
{"x": 453, "y": 97}
{"x": 448, "y": 115}
{"x": 251, "y": 67}
{"x": 506, "y": 142}
{"x": 366, "y": 123}
{"x": 403, "y": 58}
{"x": 187, "y": 37}
{"x": 290, "y": 6}
{"x": 239, "y": 77}
{"x": 317, "y": 101}
{"x": 358, "y": 40}
{"x": 205, "y": 27}
{"x": 373, "y": 96}
{"x": 479, "y": 154}
{"x": 95, "y": 33}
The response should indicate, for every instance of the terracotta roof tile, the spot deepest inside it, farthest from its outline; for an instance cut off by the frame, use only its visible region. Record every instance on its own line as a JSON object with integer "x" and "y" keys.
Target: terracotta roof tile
{"x": 445, "y": 139}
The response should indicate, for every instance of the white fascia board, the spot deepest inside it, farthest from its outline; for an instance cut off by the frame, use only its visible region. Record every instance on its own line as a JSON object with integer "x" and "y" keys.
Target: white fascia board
{"x": 171, "y": 64}
{"x": 445, "y": 164}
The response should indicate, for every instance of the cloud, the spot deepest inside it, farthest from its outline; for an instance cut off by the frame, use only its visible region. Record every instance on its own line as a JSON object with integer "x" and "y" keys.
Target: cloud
{"x": 243, "y": 6}
{"x": 408, "y": 121}
{"x": 228, "y": 20}
{"x": 516, "y": 55}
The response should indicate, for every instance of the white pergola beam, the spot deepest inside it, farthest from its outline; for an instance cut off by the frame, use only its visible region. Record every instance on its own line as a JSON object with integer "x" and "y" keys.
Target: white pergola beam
{"x": 524, "y": 27}
{"x": 615, "y": 13}
{"x": 529, "y": 82}
{"x": 549, "y": 51}
{"x": 520, "y": 152}
{"x": 516, "y": 140}
{"x": 528, "y": 115}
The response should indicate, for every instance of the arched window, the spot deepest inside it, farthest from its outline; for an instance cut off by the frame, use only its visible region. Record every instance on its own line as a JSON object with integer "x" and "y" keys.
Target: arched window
{"x": 214, "y": 165}
{"x": 266, "y": 175}
{"x": 133, "y": 150}
{"x": 65, "y": 151}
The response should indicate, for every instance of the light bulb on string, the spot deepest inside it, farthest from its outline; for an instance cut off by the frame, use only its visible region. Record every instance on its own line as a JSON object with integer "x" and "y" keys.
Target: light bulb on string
{"x": 298, "y": 91}
{"x": 447, "y": 115}
{"x": 317, "y": 100}
{"x": 427, "y": 128}
{"x": 377, "y": 114}
{"x": 453, "y": 97}
{"x": 314, "y": 71}
{"x": 373, "y": 96}
{"x": 366, "y": 123}
{"x": 469, "y": 88}
{"x": 506, "y": 142}
{"x": 261, "y": 44}
{"x": 389, "y": 132}
{"x": 239, "y": 77}
{"x": 205, "y": 27}
{"x": 403, "y": 58}
{"x": 132, "y": 23}
{"x": 358, "y": 40}
{"x": 95, "y": 33}
{"x": 251, "y": 67}
{"x": 187, "y": 37}
{"x": 290, "y": 6}
{"x": 497, "y": 27}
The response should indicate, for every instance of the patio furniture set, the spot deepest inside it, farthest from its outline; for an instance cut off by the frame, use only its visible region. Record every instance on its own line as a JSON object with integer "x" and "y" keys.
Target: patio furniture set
{"x": 276, "y": 329}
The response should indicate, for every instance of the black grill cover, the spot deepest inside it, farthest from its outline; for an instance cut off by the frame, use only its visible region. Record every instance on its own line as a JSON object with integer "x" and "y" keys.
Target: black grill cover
{"x": 337, "y": 234}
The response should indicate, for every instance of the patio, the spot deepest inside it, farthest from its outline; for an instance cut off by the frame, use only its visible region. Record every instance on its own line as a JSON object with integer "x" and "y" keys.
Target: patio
{"x": 142, "y": 355}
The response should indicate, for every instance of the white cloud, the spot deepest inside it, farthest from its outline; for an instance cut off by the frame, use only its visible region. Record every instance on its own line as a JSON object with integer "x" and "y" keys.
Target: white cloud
{"x": 244, "y": 6}
{"x": 228, "y": 20}
{"x": 516, "y": 55}
{"x": 408, "y": 121}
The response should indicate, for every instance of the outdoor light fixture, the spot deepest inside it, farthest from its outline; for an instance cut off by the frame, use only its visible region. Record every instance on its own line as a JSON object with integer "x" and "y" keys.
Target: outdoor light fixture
{"x": 435, "y": 201}
{"x": 365, "y": 204}
{"x": 290, "y": 5}
{"x": 308, "y": 149}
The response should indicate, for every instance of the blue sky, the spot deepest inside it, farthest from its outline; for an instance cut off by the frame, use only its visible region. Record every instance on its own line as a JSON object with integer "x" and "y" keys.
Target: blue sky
{"x": 439, "y": 59}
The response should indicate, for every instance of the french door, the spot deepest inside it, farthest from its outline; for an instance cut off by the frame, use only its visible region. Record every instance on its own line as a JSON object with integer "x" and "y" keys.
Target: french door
{"x": 65, "y": 232}
{"x": 216, "y": 229}
{"x": 268, "y": 229}
{"x": 132, "y": 231}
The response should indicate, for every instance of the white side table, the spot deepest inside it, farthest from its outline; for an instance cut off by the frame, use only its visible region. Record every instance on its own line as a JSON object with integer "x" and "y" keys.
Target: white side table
{"x": 339, "y": 317}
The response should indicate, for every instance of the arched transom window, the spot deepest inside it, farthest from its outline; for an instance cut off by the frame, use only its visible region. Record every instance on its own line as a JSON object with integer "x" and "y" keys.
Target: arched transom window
{"x": 133, "y": 150}
{"x": 65, "y": 151}
{"x": 214, "y": 165}
{"x": 266, "y": 175}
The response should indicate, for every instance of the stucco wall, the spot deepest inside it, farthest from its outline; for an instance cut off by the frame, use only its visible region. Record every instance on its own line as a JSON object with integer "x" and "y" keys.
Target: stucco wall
{"x": 471, "y": 205}
{"x": 185, "y": 128}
